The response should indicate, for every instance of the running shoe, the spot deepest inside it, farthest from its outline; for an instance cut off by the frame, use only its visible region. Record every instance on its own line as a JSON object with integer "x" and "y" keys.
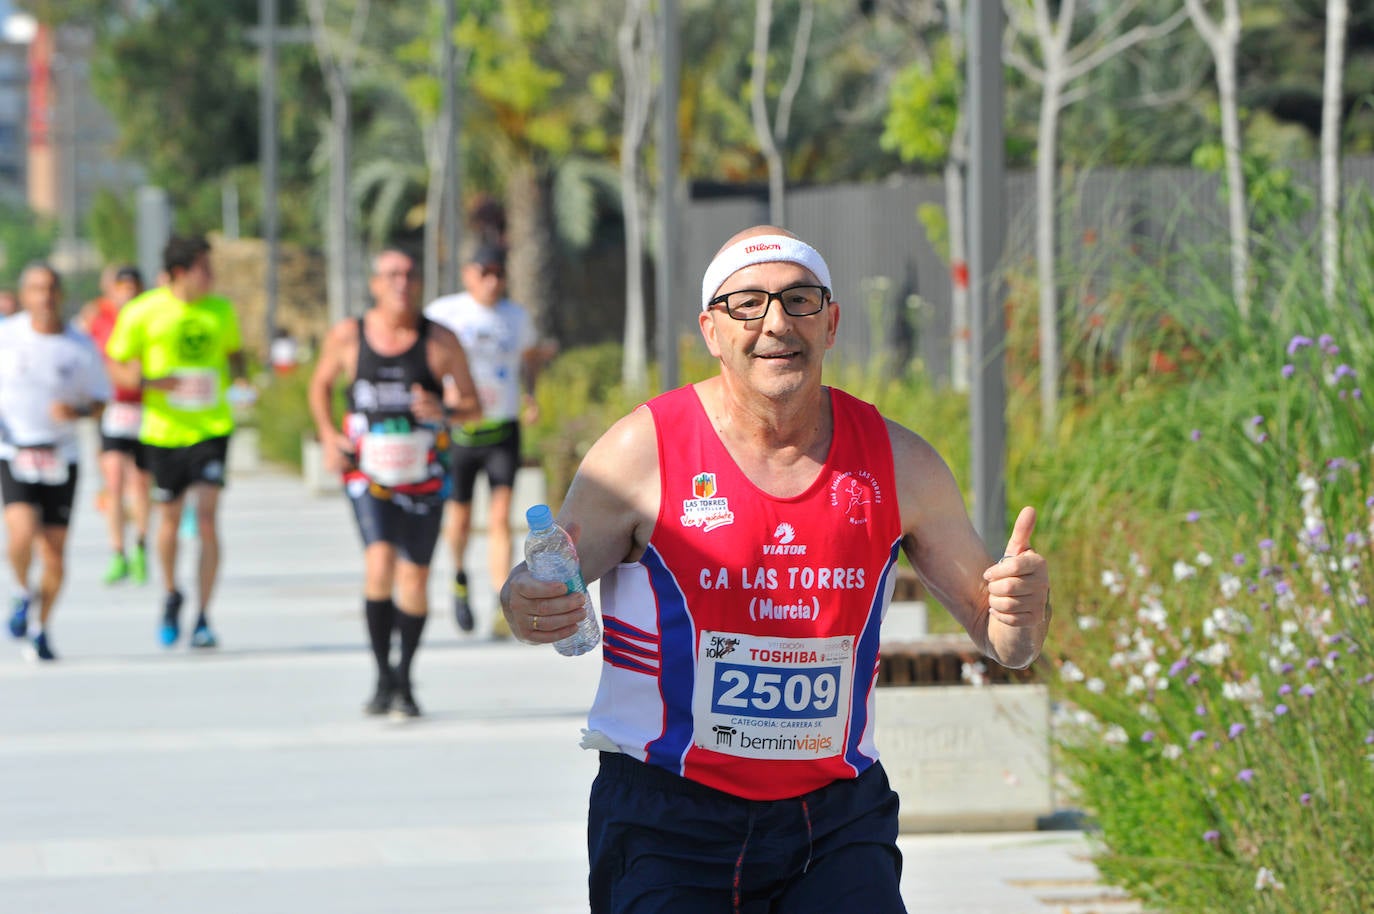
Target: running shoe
{"x": 19, "y": 617}
{"x": 138, "y": 565}
{"x": 117, "y": 570}
{"x": 380, "y": 703}
{"x": 403, "y": 706}
{"x": 462, "y": 610}
{"x": 171, "y": 619}
{"x": 203, "y": 636}
{"x": 41, "y": 649}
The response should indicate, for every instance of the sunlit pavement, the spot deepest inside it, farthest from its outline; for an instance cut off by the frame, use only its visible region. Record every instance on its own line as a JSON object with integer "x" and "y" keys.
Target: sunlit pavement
{"x": 135, "y": 778}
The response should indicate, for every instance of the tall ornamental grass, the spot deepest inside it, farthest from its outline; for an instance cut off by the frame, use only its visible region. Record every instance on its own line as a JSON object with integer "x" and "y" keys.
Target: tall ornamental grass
{"x": 1214, "y": 676}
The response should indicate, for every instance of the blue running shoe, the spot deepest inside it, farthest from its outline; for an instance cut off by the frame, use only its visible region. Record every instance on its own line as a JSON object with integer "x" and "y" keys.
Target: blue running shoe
{"x": 171, "y": 619}
{"x": 41, "y": 649}
{"x": 203, "y": 636}
{"x": 19, "y": 618}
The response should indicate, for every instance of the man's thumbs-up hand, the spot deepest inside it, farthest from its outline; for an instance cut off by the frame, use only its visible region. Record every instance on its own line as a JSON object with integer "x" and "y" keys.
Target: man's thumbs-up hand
{"x": 1019, "y": 583}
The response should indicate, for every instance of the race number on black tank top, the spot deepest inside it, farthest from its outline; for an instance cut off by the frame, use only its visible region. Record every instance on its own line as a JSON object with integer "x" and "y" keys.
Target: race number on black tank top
{"x": 394, "y": 450}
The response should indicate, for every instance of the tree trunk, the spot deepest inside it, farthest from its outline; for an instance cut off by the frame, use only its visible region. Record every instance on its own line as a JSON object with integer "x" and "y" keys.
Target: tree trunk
{"x": 1047, "y": 154}
{"x": 1235, "y": 180}
{"x": 532, "y": 265}
{"x": 1222, "y": 39}
{"x": 1337, "y": 16}
{"x": 763, "y": 22}
{"x": 338, "y": 233}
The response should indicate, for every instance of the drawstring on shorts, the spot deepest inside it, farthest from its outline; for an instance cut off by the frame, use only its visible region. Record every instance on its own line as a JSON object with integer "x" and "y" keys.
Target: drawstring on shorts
{"x": 739, "y": 865}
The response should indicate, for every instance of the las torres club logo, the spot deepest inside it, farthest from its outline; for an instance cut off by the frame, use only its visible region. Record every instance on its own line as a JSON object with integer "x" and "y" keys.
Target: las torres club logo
{"x": 704, "y": 509}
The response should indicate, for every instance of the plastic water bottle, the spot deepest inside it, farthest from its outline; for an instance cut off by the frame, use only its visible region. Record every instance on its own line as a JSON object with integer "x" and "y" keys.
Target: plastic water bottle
{"x": 551, "y": 556}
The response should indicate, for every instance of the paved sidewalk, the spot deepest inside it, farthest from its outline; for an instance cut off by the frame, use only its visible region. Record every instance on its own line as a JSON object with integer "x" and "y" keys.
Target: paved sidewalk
{"x": 138, "y": 779}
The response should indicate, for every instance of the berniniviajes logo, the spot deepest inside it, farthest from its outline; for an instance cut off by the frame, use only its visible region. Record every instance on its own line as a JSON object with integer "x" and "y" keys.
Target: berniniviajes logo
{"x": 784, "y": 535}
{"x": 725, "y": 736}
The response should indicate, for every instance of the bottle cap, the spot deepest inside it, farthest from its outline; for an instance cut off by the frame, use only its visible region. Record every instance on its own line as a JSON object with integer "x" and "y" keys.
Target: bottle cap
{"x": 539, "y": 517}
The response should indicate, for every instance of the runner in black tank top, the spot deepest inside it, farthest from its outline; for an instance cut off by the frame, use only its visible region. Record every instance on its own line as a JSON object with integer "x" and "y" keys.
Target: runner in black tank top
{"x": 379, "y": 410}
{"x": 406, "y": 379}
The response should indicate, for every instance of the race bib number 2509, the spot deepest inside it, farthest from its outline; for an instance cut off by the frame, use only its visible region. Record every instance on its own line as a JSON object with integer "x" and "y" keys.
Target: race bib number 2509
{"x": 768, "y": 697}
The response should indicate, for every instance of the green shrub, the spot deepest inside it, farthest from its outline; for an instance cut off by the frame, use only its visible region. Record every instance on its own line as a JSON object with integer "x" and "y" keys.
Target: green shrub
{"x": 282, "y": 416}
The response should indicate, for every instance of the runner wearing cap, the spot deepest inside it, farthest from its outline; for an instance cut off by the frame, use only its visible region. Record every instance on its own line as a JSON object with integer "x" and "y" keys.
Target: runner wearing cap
{"x": 500, "y": 342}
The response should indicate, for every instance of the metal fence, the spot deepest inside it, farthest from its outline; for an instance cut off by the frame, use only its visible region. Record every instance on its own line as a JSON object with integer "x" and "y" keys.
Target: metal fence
{"x": 895, "y": 288}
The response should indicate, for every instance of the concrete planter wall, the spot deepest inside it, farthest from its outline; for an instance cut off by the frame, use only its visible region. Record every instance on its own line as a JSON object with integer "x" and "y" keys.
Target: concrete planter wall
{"x": 967, "y": 758}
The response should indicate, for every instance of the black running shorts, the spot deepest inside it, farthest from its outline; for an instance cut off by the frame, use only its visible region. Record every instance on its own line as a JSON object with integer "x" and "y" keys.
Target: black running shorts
{"x": 131, "y": 446}
{"x": 498, "y": 456}
{"x": 176, "y": 469}
{"x": 54, "y": 502}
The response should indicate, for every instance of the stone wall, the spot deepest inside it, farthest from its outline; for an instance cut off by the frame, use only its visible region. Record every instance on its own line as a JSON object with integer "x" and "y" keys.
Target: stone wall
{"x": 240, "y": 266}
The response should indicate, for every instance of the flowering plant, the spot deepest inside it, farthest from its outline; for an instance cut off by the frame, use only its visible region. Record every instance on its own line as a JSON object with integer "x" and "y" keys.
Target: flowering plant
{"x": 1218, "y": 719}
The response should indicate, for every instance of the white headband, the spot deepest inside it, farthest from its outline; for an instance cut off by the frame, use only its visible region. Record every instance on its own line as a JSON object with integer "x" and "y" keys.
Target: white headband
{"x": 761, "y": 249}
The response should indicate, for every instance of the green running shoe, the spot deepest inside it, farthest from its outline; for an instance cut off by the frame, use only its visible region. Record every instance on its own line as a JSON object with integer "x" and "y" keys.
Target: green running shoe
{"x": 138, "y": 565}
{"x": 117, "y": 570}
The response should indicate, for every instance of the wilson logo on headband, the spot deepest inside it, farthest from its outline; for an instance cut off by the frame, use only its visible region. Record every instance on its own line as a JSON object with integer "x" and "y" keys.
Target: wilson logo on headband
{"x": 761, "y": 249}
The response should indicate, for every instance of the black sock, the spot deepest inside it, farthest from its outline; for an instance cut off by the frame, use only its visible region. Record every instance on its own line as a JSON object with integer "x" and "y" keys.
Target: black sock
{"x": 381, "y": 616}
{"x": 410, "y": 627}
{"x": 460, "y": 580}
{"x": 171, "y": 606}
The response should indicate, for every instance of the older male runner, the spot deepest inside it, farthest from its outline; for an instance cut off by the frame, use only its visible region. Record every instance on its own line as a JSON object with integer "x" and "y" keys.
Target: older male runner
{"x": 407, "y": 377}
{"x": 747, "y": 530}
{"x": 50, "y": 376}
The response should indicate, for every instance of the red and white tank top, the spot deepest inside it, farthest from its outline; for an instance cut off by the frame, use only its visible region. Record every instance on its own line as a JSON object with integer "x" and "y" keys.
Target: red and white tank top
{"x": 741, "y": 650}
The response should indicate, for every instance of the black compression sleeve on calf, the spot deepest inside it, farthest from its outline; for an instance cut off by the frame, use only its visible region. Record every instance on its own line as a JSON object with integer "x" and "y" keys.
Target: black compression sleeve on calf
{"x": 381, "y": 616}
{"x": 411, "y": 627}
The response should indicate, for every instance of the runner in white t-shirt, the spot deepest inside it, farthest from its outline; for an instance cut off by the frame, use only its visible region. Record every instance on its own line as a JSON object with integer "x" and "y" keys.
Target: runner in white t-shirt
{"x": 50, "y": 376}
{"x": 500, "y": 343}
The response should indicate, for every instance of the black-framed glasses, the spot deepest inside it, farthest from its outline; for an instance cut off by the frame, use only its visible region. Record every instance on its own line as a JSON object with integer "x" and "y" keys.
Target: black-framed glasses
{"x": 752, "y": 304}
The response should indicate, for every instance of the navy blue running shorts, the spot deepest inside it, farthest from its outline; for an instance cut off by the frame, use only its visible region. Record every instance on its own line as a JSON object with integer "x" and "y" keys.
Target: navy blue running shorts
{"x": 410, "y": 524}
{"x": 663, "y": 844}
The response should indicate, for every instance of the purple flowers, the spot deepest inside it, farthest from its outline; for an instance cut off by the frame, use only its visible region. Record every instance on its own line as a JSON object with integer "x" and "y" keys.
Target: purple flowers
{"x": 1246, "y": 775}
{"x": 1148, "y": 736}
{"x": 1280, "y": 710}
{"x": 1305, "y": 799}
{"x": 1298, "y": 342}
{"x": 1288, "y": 370}
{"x": 1193, "y": 516}
{"x": 1307, "y": 691}
{"x": 1211, "y": 836}
{"x": 1235, "y": 730}
{"x": 1197, "y": 736}
{"x": 1196, "y": 434}
{"x": 1285, "y": 689}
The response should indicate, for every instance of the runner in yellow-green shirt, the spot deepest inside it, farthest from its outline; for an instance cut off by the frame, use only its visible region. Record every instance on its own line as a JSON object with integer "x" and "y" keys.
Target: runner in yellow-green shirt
{"x": 182, "y": 346}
